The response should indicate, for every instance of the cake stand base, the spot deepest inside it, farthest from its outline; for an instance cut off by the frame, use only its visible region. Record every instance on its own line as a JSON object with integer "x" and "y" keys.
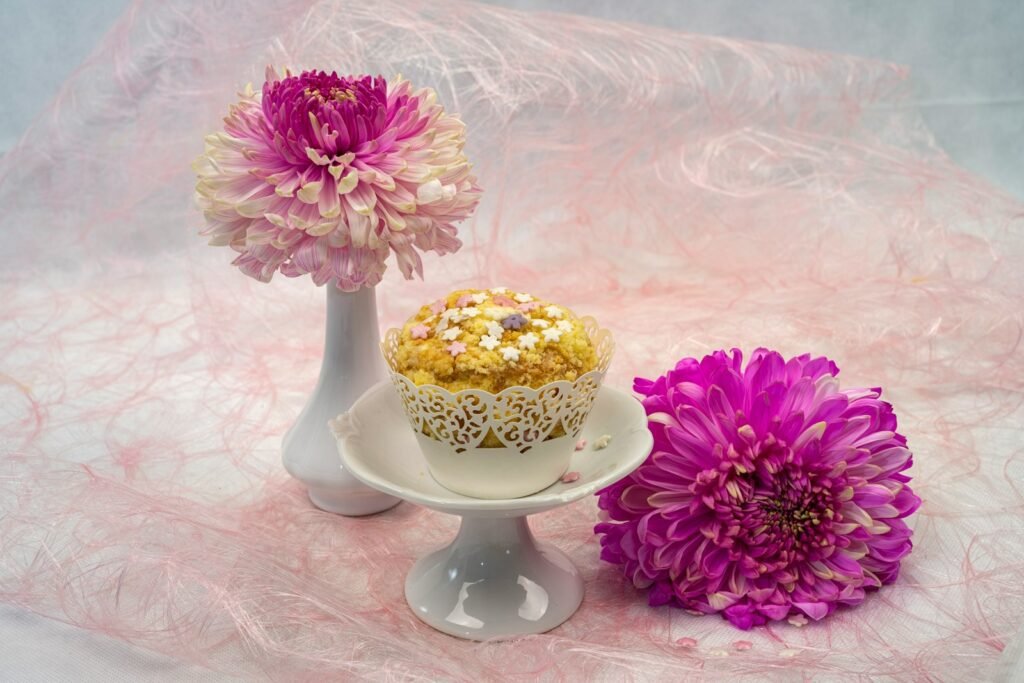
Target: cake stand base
{"x": 494, "y": 580}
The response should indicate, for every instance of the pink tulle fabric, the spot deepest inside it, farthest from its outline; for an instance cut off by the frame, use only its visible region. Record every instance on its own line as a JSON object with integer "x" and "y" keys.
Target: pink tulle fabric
{"x": 691, "y": 192}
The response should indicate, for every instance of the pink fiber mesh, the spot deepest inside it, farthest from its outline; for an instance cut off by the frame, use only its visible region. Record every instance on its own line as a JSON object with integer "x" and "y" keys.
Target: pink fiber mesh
{"x": 691, "y": 192}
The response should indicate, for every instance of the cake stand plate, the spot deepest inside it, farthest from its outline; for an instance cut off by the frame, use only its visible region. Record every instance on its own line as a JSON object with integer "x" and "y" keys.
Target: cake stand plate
{"x": 494, "y": 580}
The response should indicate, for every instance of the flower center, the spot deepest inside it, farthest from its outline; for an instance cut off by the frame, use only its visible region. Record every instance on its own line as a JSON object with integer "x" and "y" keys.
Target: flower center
{"x": 792, "y": 509}
{"x": 770, "y": 507}
{"x": 334, "y": 93}
{"x": 326, "y": 112}
{"x": 789, "y": 512}
{"x": 783, "y": 516}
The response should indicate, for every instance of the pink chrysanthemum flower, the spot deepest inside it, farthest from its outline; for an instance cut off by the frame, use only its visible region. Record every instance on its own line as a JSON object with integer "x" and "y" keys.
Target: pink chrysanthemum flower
{"x": 770, "y": 491}
{"x": 327, "y": 175}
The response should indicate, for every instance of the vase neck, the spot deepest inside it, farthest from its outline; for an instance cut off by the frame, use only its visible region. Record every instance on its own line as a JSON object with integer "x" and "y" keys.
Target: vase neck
{"x": 352, "y": 334}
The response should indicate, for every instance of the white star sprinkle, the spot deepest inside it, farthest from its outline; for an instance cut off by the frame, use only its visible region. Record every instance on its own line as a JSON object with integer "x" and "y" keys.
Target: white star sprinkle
{"x": 523, "y": 298}
{"x": 499, "y": 290}
{"x": 479, "y": 297}
{"x": 451, "y": 335}
{"x": 442, "y": 325}
{"x": 543, "y": 324}
{"x": 564, "y": 325}
{"x": 489, "y": 342}
{"x": 470, "y": 312}
{"x": 509, "y": 353}
{"x": 498, "y": 312}
{"x": 449, "y": 313}
{"x": 552, "y": 334}
{"x": 528, "y": 340}
{"x": 495, "y": 329}
{"x": 553, "y": 311}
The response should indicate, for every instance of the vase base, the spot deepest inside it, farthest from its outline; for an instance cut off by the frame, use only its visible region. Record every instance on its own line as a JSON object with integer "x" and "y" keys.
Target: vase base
{"x": 352, "y": 505}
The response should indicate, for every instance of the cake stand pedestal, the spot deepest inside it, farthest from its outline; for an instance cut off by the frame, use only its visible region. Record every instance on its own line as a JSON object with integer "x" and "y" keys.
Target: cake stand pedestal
{"x": 495, "y": 579}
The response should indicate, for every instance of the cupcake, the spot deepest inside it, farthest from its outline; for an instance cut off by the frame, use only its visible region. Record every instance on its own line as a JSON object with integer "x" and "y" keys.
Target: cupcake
{"x": 497, "y": 385}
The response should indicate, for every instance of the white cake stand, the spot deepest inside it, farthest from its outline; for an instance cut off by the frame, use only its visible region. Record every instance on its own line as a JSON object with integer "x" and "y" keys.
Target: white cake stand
{"x": 495, "y": 580}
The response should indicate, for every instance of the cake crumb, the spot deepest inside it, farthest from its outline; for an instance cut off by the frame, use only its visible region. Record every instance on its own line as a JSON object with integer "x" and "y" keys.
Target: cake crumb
{"x": 789, "y": 653}
{"x": 798, "y": 620}
{"x": 475, "y": 340}
{"x": 570, "y": 477}
{"x": 686, "y": 642}
{"x": 581, "y": 444}
{"x": 743, "y": 645}
{"x": 602, "y": 442}
{"x": 717, "y": 653}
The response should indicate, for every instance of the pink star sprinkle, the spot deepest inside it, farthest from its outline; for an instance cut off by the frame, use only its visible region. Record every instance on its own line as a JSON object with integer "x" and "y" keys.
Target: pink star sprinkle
{"x": 419, "y": 331}
{"x": 581, "y": 444}
{"x": 570, "y": 477}
{"x": 455, "y": 348}
{"x": 686, "y": 642}
{"x": 742, "y": 645}
{"x": 464, "y": 300}
{"x": 528, "y": 306}
{"x": 503, "y": 301}
{"x": 438, "y": 306}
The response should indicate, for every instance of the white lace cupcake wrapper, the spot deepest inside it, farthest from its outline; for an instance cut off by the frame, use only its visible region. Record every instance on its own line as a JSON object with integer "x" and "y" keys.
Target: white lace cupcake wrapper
{"x": 519, "y": 417}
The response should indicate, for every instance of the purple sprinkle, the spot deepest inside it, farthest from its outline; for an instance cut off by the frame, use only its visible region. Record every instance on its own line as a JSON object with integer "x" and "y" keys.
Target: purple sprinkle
{"x": 515, "y": 321}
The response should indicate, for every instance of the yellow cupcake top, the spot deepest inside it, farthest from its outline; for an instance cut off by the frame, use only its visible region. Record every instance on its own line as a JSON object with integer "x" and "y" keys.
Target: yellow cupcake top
{"x": 493, "y": 339}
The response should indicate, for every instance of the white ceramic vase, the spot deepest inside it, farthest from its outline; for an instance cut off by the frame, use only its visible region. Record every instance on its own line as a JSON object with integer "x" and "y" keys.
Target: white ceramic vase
{"x": 352, "y": 363}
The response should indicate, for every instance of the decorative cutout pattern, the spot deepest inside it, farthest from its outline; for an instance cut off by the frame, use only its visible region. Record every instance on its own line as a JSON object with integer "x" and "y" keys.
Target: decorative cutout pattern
{"x": 520, "y": 417}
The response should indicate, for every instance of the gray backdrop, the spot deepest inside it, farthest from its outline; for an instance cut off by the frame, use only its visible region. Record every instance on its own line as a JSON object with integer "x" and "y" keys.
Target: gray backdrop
{"x": 965, "y": 57}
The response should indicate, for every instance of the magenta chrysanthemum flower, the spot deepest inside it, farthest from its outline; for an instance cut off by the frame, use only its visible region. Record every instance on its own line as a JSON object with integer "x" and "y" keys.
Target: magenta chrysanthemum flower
{"x": 327, "y": 175}
{"x": 770, "y": 491}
